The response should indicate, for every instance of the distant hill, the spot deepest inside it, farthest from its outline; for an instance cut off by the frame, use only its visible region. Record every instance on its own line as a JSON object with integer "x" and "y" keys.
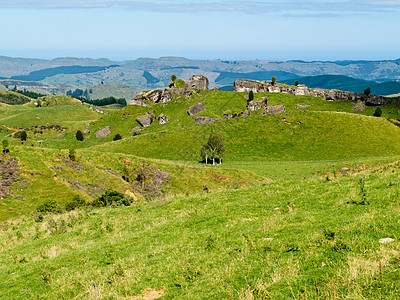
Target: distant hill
{"x": 43, "y": 74}
{"x": 150, "y": 73}
{"x": 346, "y": 83}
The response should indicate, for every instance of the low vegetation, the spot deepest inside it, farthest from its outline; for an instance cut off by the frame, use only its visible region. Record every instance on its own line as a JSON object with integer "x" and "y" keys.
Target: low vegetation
{"x": 304, "y": 206}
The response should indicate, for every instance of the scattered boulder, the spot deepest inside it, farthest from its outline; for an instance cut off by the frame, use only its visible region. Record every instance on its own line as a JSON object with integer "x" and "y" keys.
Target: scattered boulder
{"x": 246, "y": 85}
{"x": 138, "y": 103}
{"x": 243, "y": 114}
{"x": 359, "y": 106}
{"x": 162, "y": 119}
{"x": 375, "y": 100}
{"x": 60, "y": 135}
{"x": 166, "y": 96}
{"x": 257, "y": 104}
{"x": 199, "y": 81}
{"x": 299, "y": 106}
{"x": 136, "y": 129}
{"x": 276, "y": 109}
{"x": 302, "y": 90}
{"x": 105, "y": 132}
{"x": 204, "y": 120}
{"x": 194, "y": 110}
{"x": 146, "y": 120}
{"x": 86, "y": 131}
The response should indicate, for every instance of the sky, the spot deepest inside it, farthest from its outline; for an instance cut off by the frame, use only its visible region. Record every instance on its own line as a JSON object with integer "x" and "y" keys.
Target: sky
{"x": 212, "y": 29}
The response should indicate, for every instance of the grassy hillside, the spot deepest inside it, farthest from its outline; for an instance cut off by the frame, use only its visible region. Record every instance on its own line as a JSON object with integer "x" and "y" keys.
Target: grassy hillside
{"x": 283, "y": 240}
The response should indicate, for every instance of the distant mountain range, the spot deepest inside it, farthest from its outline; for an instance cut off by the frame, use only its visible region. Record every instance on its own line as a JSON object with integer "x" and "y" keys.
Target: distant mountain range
{"x": 61, "y": 74}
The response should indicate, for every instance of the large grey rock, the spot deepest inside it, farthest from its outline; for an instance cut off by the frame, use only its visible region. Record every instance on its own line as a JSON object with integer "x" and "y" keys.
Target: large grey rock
{"x": 138, "y": 103}
{"x": 105, "y": 132}
{"x": 243, "y": 114}
{"x": 162, "y": 119}
{"x": 204, "y": 120}
{"x": 276, "y": 109}
{"x": 359, "y": 106}
{"x": 166, "y": 96}
{"x": 146, "y": 120}
{"x": 258, "y": 104}
{"x": 194, "y": 110}
{"x": 374, "y": 100}
{"x": 198, "y": 81}
{"x": 302, "y": 90}
{"x": 246, "y": 85}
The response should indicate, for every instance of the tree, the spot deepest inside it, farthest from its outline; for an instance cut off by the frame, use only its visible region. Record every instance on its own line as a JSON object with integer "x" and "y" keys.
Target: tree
{"x": 79, "y": 136}
{"x": 367, "y": 91}
{"x": 273, "y": 80}
{"x": 23, "y": 135}
{"x": 72, "y": 154}
{"x": 216, "y": 147}
{"x": 296, "y": 83}
{"x": 205, "y": 153}
{"x": 173, "y": 77}
{"x": 378, "y": 112}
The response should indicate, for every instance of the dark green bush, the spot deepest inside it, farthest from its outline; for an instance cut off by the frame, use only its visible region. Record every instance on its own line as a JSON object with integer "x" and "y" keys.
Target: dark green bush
{"x": 23, "y": 135}
{"x": 378, "y": 112}
{"x": 76, "y": 202}
{"x": 72, "y": 154}
{"x": 79, "y": 135}
{"x": 117, "y": 137}
{"x": 49, "y": 206}
{"x": 112, "y": 198}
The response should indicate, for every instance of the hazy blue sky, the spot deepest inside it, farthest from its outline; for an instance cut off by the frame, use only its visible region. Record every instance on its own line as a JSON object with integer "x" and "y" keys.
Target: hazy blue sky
{"x": 125, "y": 29}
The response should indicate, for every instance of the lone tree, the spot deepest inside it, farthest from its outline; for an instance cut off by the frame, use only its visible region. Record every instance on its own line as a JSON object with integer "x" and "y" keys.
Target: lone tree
{"x": 173, "y": 77}
{"x": 273, "y": 80}
{"x": 79, "y": 136}
{"x": 251, "y": 97}
{"x": 367, "y": 91}
{"x": 296, "y": 83}
{"x": 378, "y": 112}
{"x": 23, "y": 135}
{"x": 214, "y": 148}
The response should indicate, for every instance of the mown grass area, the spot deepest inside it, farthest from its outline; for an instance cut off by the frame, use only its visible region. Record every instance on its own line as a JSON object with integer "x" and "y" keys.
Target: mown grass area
{"x": 281, "y": 240}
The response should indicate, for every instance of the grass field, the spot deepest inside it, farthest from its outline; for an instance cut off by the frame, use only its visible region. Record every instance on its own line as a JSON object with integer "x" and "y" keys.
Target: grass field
{"x": 296, "y": 211}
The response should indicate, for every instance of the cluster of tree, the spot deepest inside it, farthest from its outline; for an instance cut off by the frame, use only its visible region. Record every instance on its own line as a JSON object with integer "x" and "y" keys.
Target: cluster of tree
{"x": 78, "y": 93}
{"x": 214, "y": 148}
{"x": 13, "y": 99}
{"x": 107, "y": 101}
{"x": 30, "y": 94}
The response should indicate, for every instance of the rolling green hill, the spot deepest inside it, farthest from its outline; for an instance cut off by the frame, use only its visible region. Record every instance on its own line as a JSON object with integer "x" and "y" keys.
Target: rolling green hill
{"x": 297, "y": 210}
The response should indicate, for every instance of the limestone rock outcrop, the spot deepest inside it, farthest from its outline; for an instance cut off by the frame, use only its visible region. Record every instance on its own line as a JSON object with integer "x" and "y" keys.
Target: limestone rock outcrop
{"x": 276, "y": 109}
{"x": 257, "y": 104}
{"x": 102, "y": 133}
{"x": 194, "y": 110}
{"x": 246, "y": 85}
{"x": 162, "y": 119}
{"x": 198, "y": 81}
{"x": 146, "y": 120}
{"x": 204, "y": 120}
{"x": 154, "y": 96}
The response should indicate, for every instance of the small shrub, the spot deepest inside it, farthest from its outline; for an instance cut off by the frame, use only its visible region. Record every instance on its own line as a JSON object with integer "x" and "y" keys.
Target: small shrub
{"x": 367, "y": 91}
{"x": 378, "y": 112}
{"x": 273, "y": 80}
{"x": 79, "y": 135}
{"x": 117, "y": 137}
{"x": 23, "y": 136}
{"x": 112, "y": 198}
{"x": 5, "y": 143}
{"x": 296, "y": 83}
{"x": 76, "y": 202}
{"x": 72, "y": 154}
{"x": 38, "y": 217}
{"x": 49, "y": 206}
